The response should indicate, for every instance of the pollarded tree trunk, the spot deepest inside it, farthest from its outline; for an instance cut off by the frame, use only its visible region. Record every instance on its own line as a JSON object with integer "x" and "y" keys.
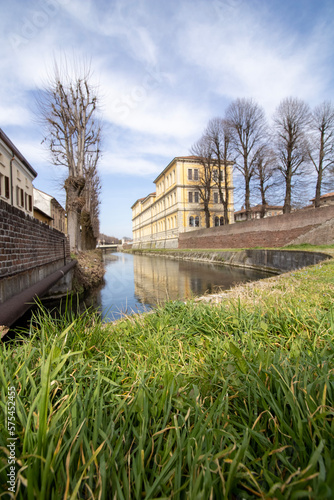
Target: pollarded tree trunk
{"x": 73, "y": 230}
{"x": 88, "y": 240}
{"x": 74, "y": 188}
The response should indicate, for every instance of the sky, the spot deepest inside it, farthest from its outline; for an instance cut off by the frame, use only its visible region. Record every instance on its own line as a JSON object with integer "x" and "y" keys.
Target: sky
{"x": 163, "y": 69}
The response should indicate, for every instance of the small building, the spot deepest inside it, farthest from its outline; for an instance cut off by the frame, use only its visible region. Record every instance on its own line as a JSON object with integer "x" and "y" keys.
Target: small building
{"x": 325, "y": 200}
{"x": 269, "y": 211}
{"x": 16, "y": 176}
{"x": 48, "y": 210}
{"x": 176, "y": 206}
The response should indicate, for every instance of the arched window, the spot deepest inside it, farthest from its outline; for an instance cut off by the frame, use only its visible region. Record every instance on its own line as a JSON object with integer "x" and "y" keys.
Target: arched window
{"x": 216, "y": 221}
{"x": 191, "y": 221}
{"x": 197, "y": 221}
{"x": 222, "y": 221}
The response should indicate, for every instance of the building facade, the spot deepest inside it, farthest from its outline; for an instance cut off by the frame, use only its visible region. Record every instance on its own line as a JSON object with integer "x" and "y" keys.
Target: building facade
{"x": 255, "y": 212}
{"x": 16, "y": 176}
{"x": 325, "y": 200}
{"x": 48, "y": 210}
{"x": 176, "y": 206}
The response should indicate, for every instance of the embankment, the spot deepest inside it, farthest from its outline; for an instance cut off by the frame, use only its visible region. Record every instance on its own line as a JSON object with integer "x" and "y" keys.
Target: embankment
{"x": 271, "y": 260}
{"x": 314, "y": 226}
{"x": 89, "y": 272}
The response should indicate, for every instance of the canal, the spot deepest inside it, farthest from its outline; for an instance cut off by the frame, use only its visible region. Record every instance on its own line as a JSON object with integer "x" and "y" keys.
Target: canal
{"x": 137, "y": 283}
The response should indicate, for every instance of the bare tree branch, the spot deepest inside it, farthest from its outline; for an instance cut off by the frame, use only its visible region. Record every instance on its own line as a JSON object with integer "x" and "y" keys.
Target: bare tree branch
{"x": 67, "y": 108}
{"x": 321, "y": 143}
{"x": 203, "y": 150}
{"x": 218, "y": 133}
{"x": 246, "y": 120}
{"x": 291, "y": 120}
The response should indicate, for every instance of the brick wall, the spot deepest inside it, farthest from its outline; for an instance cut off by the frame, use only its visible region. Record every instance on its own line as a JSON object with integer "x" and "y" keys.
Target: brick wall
{"x": 26, "y": 243}
{"x": 270, "y": 232}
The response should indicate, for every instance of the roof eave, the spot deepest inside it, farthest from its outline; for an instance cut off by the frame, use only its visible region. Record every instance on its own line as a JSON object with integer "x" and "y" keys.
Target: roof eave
{"x": 17, "y": 153}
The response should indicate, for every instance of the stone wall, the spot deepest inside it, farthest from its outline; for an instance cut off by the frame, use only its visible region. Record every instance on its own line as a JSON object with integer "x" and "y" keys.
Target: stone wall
{"x": 308, "y": 226}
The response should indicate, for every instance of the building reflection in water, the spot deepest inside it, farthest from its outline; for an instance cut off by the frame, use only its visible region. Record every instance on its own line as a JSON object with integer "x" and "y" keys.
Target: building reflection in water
{"x": 135, "y": 283}
{"x": 157, "y": 278}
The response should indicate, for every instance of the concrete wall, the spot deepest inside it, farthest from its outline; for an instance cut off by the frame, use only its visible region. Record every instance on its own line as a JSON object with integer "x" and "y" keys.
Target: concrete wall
{"x": 274, "y": 261}
{"x": 167, "y": 243}
{"x": 29, "y": 251}
{"x": 314, "y": 226}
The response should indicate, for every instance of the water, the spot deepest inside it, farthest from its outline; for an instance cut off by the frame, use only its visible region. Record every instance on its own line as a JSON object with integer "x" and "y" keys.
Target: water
{"x": 137, "y": 283}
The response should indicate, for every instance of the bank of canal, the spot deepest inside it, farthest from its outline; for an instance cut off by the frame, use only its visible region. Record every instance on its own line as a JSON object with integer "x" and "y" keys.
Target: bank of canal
{"x": 232, "y": 401}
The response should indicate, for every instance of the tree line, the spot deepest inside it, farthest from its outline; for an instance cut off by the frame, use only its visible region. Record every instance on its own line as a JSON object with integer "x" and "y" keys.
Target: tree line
{"x": 272, "y": 158}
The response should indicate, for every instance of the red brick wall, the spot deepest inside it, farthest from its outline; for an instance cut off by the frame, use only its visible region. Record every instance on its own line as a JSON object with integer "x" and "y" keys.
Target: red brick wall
{"x": 270, "y": 232}
{"x": 26, "y": 243}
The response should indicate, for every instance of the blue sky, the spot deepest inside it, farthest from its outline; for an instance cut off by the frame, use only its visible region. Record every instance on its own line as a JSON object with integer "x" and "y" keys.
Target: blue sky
{"x": 163, "y": 68}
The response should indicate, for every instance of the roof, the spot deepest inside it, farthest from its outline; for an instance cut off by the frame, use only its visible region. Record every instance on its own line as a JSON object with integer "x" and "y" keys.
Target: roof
{"x": 191, "y": 158}
{"x": 16, "y": 152}
{"x": 52, "y": 198}
{"x": 144, "y": 199}
{"x": 327, "y": 195}
{"x": 258, "y": 208}
{"x": 137, "y": 201}
{"x": 36, "y": 209}
{"x": 177, "y": 158}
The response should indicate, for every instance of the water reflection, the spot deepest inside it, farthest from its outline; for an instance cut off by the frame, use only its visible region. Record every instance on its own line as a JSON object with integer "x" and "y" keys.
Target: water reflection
{"x": 134, "y": 283}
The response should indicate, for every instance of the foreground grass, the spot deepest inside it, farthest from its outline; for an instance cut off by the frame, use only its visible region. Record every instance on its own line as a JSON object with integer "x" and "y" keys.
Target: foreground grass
{"x": 193, "y": 401}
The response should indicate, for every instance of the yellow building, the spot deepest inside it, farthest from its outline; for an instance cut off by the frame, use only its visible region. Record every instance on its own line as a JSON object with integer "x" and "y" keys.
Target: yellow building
{"x": 176, "y": 206}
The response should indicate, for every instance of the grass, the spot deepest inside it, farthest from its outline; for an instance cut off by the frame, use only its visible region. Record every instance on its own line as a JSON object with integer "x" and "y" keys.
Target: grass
{"x": 194, "y": 401}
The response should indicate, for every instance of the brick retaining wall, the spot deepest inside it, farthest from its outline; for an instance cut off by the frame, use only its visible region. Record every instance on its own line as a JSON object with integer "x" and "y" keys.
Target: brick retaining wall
{"x": 271, "y": 232}
{"x": 26, "y": 243}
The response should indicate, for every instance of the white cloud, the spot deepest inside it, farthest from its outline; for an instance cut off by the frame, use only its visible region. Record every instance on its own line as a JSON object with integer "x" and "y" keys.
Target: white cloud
{"x": 14, "y": 115}
{"x": 127, "y": 164}
{"x": 123, "y": 22}
{"x": 248, "y": 58}
{"x": 163, "y": 68}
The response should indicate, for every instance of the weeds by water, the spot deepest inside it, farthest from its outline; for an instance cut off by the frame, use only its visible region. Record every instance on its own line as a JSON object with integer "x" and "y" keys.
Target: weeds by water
{"x": 193, "y": 401}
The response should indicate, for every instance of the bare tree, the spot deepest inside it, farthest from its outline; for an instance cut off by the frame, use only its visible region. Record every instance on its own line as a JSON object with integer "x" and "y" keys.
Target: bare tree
{"x": 247, "y": 121}
{"x": 265, "y": 175}
{"x": 219, "y": 134}
{"x": 68, "y": 109}
{"x": 291, "y": 120}
{"x": 321, "y": 143}
{"x": 203, "y": 150}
